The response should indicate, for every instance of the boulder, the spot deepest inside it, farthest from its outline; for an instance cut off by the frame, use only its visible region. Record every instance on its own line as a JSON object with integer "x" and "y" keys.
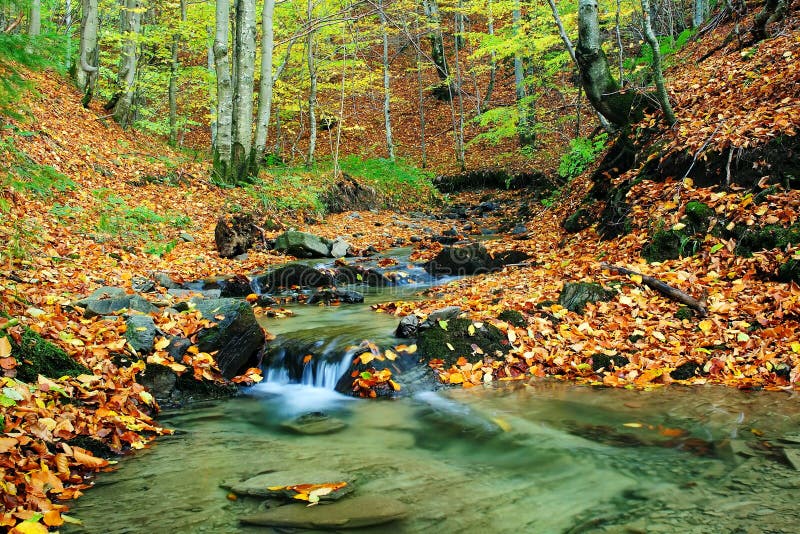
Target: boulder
{"x": 294, "y": 275}
{"x": 348, "y": 274}
{"x": 237, "y": 337}
{"x": 110, "y": 300}
{"x": 302, "y": 245}
{"x": 339, "y": 248}
{"x": 408, "y": 326}
{"x": 357, "y": 512}
{"x": 435, "y": 342}
{"x": 140, "y": 333}
{"x": 460, "y": 260}
{"x": 234, "y": 235}
{"x": 172, "y": 391}
{"x": 574, "y": 296}
{"x": 442, "y": 314}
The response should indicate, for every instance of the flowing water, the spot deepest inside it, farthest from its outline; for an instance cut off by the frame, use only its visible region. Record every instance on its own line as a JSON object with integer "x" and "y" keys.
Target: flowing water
{"x": 540, "y": 456}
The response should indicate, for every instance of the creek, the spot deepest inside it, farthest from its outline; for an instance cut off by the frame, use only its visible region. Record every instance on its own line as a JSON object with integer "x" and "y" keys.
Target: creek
{"x": 536, "y": 456}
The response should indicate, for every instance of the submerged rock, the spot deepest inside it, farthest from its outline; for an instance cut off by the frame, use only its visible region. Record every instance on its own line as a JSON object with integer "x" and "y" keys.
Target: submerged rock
{"x": 356, "y": 512}
{"x": 314, "y": 423}
{"x": 329, "y": 296}
{"x": 461, "y": 260}
{"x": 258, "y": 486}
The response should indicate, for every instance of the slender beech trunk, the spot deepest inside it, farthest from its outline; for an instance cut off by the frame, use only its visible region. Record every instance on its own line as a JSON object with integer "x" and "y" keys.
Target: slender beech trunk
{"x": 460, "y": 156}
{"x": 658, "y": 75}
{"x": 266, "y": 81}
{"x": 445, "y": 89}
{"x": 420, "y": 95}
{"x": 493, "y": 64}
{"x": 173, "y": 78}
{"x": 212, "y": 105}
{"x": 245, "y": 58}
{"x": 222, "y": 150}
{"x": 35, "y": 23}
{"x": 601, "y": 88}
{"x": 386, "y": 93}
{"x": 86, "y": 66}
{"x": 132, "y": 26}
{"x": 525, "y": 111}
{"x": 312, "y": 93}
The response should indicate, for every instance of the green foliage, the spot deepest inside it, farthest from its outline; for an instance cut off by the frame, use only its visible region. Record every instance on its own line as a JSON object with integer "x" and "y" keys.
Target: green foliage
{"x": 639, "y": 66}
{"x": 395, "y": 180}
{"x": 160, "y": 248}
{"x": 582, "y": 152}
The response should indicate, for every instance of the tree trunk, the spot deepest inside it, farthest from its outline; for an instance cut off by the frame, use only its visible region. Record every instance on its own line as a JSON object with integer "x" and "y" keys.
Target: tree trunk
{"x": 131, "y": 19}
{"x": 86, "y": 66}
{"x": 266, "y": 81}
{"x": 212, "y": 106}
{"x": 699, "y": 13}
{"x": 493, "y": 65}
{"x": 222, "y": 149}
{"x": 601, "y": 88}
{"x": 525, "y": 111}
{"x": 245, "y": 58}
{"x": 312, "y": 93}
{"x": 460, "y": 155}
{"x": 35, "y": 25}
{"x": 444, "y": 91}
{"x": 386, "y": 94}
{"x": 658, "y": 75}
{"x": 773, "y": 11}
{"x": 421, "y": 96}
{"x": 173, "y": 79}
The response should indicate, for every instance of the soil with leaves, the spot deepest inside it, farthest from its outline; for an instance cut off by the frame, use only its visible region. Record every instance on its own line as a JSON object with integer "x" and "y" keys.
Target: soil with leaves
{"x": 86, "y": 205}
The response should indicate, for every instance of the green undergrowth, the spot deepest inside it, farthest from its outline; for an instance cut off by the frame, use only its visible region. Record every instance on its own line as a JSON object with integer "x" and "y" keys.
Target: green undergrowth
{"x": 398, "y": 184}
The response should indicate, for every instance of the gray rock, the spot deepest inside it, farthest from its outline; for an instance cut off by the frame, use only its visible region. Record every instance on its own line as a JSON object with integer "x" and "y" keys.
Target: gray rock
{"x": 341, "y": 295}
{"x": 461, "y": 260}
{"x": 188, "y": 238}
{"x": 140, "y": 304}
{"x": 339, "y": 248}
{"x": 357, "y": 512}
{"x": 237, "y": 337}
{"x": 141, "y": 333}
{"x": 291, "y": 275}
{"x": 110, "y": 300}
{"x": 793, "y": 457}
{"x": 258, "y": 486}
{"x": 314, "y": 423}
{"x": 141, "y": 284}
{"x": 574, "y": 296}
{"x": 164, "y": 280}
{"x": 442, "y": 314}
{"x": 408, "y": 326}
{"x": 177, "y": 347}
{"x": 202, "y": 293}
{"x": 302, "y": 245}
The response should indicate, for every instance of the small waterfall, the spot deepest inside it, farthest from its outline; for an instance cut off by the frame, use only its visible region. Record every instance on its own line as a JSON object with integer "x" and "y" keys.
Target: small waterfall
{"x": 319, "y": 364}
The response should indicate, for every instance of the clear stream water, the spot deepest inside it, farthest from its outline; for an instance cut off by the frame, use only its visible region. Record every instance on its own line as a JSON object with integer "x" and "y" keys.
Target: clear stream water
{"x": 540, "y": 456}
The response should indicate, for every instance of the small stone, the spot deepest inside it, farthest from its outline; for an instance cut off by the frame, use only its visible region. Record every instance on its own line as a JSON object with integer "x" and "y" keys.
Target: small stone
{"x": 140, "y": 333}
{"x": 315, "y": 423}
{"x": 415, "y": 239}
{"x": 188, "y": 238}
{"x": 793, "y": 457}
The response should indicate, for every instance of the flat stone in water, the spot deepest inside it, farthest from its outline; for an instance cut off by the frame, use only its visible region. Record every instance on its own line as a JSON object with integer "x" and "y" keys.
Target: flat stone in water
{"x": 259, "y": 484}
{"x": 314, "y": 423}
{"x": 350, "y": 513}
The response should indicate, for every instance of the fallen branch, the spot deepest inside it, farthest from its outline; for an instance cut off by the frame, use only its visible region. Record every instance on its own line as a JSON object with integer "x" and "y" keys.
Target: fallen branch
{"x": 664, "y": 289}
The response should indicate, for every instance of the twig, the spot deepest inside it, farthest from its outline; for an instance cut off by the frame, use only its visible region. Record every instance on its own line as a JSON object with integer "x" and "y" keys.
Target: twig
{"x": 728, "y": 169}
{"x": 701, "y": 149}
{"x": 664, "y": 289}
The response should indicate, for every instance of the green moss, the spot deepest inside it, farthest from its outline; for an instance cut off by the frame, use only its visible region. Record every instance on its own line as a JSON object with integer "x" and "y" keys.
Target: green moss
{"x": 698, "y": 217}
{"x": 684, "y": 312}
{"x": 756, "y": 238}
{"x": 763, "y": 194}
{"x": 601, "y": 361}
{"x": 513, "y": 317}
{"x": 433, "y": 342}
{"x": 789, "y": 271}
{"x": 580, "y": 220}
{"x": 38, "y": 356}
{"x": 669, "y": 245}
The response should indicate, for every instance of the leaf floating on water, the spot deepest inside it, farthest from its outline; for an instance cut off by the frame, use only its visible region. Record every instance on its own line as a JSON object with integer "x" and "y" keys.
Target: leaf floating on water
{"x": 390, "y": 355}
{"x": 633, "y": 425}
{"x": 443, "y": 325}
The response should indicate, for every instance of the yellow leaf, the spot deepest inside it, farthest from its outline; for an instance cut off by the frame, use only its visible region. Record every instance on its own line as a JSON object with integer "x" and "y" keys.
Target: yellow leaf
{"x": 367, "y": 357}
{"x": 29, "y": 527}
{"x": 5, "y": 347}
{"x": 705, "y": 326}
{"x": 471, "y": 330}
{"x": 146, "y": 397}
{"x": 390, "y": 355}
{"x": 678, "y": 226}
{"x": 449, "y": 346}
{"x": 796, "y": 347}
{"x": 659, "y": 336}
{"x": 502, "y": 423}
{"x": 512, "y": 336}
{"x": 633, "y": 425}
{"x": 456, "y": 378}
{"x": 161, "y": 344}
{"x": 636, "y": 278}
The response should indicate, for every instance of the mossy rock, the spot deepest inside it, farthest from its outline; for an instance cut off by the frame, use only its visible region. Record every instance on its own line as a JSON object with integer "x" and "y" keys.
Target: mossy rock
{"x": 686, "y": 371}
{"x": 513, "y": 317}
{"x": 433, "y": 342}
{"x": 580, "y": 220}
{"x": 789, "y": 271}
{"x": 698, "y": 217}
{"x": 756, "y": 238}
{"x": 37, "y": 356}
{"x": 575, "y": 296}
{"x": 602, "y": 361}
{"x": 684, "y": 312}
{"x": 669, "y": 245}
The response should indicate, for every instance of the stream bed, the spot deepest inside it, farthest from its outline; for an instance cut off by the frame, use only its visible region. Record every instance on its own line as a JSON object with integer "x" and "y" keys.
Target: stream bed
{"x": 536, "y": 456}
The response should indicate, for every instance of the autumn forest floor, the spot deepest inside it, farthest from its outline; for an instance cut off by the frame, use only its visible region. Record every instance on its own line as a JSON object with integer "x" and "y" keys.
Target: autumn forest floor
{"x": 118, "y": 203}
